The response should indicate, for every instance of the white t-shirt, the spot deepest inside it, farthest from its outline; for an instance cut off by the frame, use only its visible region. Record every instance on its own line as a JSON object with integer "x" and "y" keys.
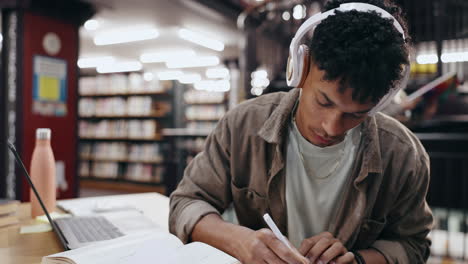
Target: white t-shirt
{"x": 314, "y": 182}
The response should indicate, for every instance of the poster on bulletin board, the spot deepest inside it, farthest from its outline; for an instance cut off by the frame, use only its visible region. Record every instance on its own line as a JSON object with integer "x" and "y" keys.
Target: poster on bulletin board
{"x": 49, "y": 86}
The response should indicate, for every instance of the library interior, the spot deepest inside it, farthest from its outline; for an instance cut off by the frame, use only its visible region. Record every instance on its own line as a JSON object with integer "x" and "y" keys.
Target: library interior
{"x": 145, "y": 120}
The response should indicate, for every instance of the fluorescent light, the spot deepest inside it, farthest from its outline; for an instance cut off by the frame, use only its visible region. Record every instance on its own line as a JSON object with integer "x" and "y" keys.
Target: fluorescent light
{"x": 122, "y": 36}
{"x": 257, "y": 91}
{"x": 92, "y": 62}
{"x": 299, "y": 12}
{"x": 427, "y": 59}
{"x": 203, "y": 85}
{"x": 213, "y": 86}
{"x": 445, "y": 58}
{"x": 286, "y": 15}
{"x": 148, "y": 76}
{"x": 169, "y": 75}
{"x": 261, "y": 74}
{"x": 190, "y": 78}
{"x": 222, "y": 86}
{"x": 454, "y": 57}
{"x": 214, "y": 73}
{"x": 1, "y": 37}
{"x": 120, "y": 67}
{"x": 193, "y": 62}
{"x": 91, "y": 24}
{"x": 166, "y": 56}
{"x": 200, "y": 39}
{"x": 260, "y": 82}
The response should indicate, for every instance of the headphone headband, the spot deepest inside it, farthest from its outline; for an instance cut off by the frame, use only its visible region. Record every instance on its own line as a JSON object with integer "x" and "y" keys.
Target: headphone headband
{"x": 313, "y": 21}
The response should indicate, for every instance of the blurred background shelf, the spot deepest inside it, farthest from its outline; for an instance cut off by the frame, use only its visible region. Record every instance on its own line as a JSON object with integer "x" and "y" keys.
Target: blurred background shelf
{"x": 121, "y": 185}
{"x": 120, "y": 117}
{"x": 126, "y": 94}
{"x": 185, "y": 132}
{"x": 159, "y": 138}
{"x": 160, "y": 163}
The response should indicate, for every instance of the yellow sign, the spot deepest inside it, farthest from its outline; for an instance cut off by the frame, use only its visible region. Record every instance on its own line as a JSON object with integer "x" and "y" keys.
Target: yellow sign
{"x": 49, "y": 88}
{"x": 423, "y": 68}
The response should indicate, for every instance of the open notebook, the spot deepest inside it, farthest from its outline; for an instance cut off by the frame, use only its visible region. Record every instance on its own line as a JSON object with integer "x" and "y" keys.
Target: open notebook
{"x": 155, "y": 247}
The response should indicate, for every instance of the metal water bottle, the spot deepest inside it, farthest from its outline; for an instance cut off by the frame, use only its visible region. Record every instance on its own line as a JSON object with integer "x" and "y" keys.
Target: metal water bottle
{"x": 43, "y": 173}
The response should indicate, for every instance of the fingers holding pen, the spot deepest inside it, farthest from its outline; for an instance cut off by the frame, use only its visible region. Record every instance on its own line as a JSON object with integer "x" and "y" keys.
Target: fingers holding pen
{"x": 286, "y": 254}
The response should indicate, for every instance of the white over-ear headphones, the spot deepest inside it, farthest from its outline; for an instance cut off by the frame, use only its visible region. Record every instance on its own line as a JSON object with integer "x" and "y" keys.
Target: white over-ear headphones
{"x": 298, "y": 61}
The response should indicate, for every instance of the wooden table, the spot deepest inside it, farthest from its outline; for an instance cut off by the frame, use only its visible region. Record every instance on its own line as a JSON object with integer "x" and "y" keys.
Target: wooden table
{"x": 16, "y": 248}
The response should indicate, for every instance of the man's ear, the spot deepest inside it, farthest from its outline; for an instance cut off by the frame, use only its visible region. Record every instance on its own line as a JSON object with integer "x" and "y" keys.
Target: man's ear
{"x": 306, "y": 69}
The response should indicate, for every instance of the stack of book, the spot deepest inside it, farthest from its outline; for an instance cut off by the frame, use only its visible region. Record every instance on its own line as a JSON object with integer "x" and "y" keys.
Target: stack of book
{"x": 8, "y": 212}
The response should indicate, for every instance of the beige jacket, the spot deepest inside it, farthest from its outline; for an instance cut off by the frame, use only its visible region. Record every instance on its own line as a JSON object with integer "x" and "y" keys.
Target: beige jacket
{"x": 243, "y": 163}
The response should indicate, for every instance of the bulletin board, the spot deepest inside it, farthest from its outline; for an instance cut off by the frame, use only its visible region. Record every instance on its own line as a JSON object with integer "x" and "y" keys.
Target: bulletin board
{"x": 49, "y": 86}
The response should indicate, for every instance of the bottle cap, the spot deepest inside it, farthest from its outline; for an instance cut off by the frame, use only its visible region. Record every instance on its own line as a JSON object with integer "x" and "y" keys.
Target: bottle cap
{"x": 43, "y": 133}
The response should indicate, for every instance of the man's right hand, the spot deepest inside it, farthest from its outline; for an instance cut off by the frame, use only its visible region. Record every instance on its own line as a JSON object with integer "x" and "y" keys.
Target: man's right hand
{"x": 245, "y": 244}
{"x": 262, "y": 247}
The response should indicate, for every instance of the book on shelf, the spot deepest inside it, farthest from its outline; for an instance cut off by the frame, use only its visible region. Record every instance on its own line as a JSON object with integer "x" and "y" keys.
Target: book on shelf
{"x": 7, "y": 220}
{"x": 8, "y": 210}
{"x": 157, "y": 247}
{"x": 8, "y": 206}
{"x": 121, "y": 84}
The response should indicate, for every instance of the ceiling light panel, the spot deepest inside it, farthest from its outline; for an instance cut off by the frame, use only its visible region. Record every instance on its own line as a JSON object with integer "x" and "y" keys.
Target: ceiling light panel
{"x": 169, "y": 75}
{"x": 124, "y": 36}
{"x": 120, "y": 67}
{"x": 213, "y": 86}
{"x": 201, "y": 39}
{"x": 165, "y": 56}
{"x": 193, "y": 62}
{"x": 91, "y": 24}
{"x": 190, "y": 78}
{"x": 427, "y": 59}
{"x": 214, "y": 73}
{"x": 92, "y": 62}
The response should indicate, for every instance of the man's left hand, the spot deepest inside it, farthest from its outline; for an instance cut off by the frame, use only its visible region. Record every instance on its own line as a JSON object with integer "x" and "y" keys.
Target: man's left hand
{"x": 324, "y": 248}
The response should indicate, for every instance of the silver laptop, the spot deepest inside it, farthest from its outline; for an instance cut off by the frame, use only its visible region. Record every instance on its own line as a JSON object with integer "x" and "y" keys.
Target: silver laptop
{"x": 76, "y": 231}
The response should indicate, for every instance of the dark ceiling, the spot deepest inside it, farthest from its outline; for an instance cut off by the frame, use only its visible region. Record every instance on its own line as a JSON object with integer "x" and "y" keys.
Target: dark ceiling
{"x": 427, "y": 19}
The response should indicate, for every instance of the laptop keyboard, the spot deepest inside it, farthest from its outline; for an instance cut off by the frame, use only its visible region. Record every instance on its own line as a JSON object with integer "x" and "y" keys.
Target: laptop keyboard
{"x": 89, "y": 229}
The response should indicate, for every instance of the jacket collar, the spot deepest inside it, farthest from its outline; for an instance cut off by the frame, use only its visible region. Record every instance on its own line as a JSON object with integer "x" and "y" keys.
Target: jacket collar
{"x": 275, "y": 128}
{"x": 371, "y": 146}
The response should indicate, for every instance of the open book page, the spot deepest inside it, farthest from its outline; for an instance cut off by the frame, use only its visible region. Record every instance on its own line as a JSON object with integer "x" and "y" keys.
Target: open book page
{"x": 118, "y": 251}
{"x": 131, "y": 221}
{"x": 201, "y": 253}
{"x": 155, "y": 247}
{"x": 193, "y": 253}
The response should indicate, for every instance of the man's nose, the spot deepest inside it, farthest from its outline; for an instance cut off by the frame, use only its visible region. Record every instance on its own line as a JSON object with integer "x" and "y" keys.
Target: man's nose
{"x": 333, "y": 124}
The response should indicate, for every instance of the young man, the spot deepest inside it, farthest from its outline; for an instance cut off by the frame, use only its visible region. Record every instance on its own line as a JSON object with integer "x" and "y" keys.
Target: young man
{"x": 343, "y": 184}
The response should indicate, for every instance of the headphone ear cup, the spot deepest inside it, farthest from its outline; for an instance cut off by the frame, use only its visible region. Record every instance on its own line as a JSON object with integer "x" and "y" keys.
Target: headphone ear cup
{"x": 305, "y": 57}
{"x": 289, "y": 70}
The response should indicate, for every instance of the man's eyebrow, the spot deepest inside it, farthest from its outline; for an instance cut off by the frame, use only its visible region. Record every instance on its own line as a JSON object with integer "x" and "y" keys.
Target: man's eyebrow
{"x": 331, "y": 102}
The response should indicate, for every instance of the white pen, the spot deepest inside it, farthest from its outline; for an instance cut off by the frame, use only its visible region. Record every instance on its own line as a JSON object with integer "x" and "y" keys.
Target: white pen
{"x": 275, "y": 230}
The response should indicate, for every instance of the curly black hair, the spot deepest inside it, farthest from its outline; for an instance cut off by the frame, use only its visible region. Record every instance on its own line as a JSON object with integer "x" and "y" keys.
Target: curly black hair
{"x": 361, "y": 49}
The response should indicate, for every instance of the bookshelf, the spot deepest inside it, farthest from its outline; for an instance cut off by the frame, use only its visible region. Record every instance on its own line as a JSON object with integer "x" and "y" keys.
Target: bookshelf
{"x": 122, "y": 185}
{"x": 203, "y": 109}
{"x": 120, "y": 119}
{"x": 141, "y": 134}
{"x": 200, "y": 111}
{"x": 125, "y": 94}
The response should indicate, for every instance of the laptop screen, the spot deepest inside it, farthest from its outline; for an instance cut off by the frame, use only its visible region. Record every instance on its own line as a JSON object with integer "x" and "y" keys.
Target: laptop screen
{"x": 28, "y": 178}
